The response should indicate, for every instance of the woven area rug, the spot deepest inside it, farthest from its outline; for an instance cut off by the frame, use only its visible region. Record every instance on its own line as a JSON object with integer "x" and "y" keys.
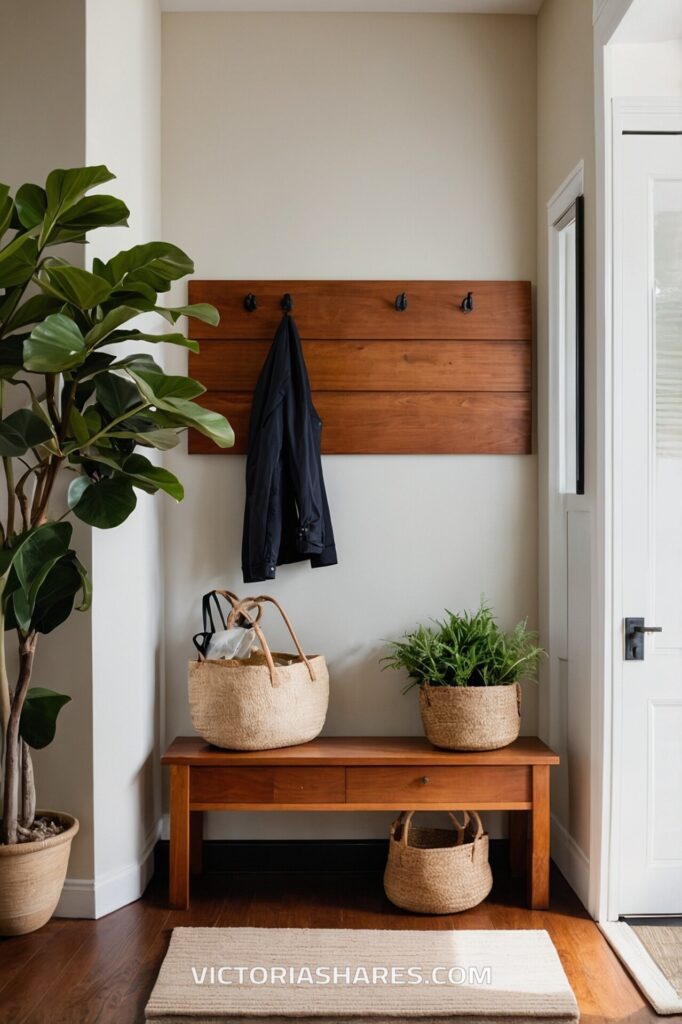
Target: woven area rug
{"x": 274, "y": 975}
{"x": 653, "y": 956}
{"x": 664, "y": 946}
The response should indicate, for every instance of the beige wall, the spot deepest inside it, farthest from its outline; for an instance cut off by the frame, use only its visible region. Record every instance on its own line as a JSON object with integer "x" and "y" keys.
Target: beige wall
{"x": 359, "y": 146}
{"x": 565, "y": 137}
{"x": 42, "y": 118}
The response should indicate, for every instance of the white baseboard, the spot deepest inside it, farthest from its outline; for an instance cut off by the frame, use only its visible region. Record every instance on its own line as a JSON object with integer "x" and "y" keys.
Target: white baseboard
{"x": 571, "y": 860}
{"x": 95, "y": 897}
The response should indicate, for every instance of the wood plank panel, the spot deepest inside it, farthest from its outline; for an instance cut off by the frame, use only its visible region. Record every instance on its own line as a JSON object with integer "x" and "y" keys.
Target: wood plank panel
{"x": 375, "y": 365}
{"x": 400, "y": 422}
{"x": 423, "y": 785}
{"x": 359, "y": 310}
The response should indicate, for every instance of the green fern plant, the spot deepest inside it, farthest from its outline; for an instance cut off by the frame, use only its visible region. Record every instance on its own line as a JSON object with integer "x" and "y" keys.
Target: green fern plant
{"x": 469, "y": 649}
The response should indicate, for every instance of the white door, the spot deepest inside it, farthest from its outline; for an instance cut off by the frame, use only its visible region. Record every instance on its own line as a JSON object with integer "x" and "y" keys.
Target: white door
{"x": 649, "y": 551}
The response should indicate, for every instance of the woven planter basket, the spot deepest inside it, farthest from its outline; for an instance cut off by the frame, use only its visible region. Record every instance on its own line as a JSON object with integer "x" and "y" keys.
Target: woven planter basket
{"x": 471, "y": 717}
{"x": 435, "y": 870}
{"x": 32, "y": 877}
{"x": 263, "y": 702}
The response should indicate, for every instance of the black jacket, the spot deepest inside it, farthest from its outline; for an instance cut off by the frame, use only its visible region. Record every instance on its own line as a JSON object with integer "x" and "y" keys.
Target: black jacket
{"x": 286, "y": 518}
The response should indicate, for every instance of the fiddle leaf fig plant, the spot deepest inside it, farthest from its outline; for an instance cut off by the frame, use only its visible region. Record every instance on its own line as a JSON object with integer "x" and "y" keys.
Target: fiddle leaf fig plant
{"x": 73, "y": 402}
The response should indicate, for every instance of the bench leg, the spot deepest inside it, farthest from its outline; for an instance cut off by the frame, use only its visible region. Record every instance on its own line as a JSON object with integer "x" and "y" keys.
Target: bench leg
{"x": 538, "y": 848}
{"x": 196, "y": 841}
{"x": 179, "y": 837}
{"x": 518, "y": 843}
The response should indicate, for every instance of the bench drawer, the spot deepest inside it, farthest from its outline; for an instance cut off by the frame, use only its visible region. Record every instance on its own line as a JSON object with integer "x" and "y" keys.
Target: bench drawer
{"x": 267, "y": 785}
{"x": 404, "y": 786}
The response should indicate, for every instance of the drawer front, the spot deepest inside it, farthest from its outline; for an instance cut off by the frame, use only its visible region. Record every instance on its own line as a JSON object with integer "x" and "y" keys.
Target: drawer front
{"x": 267, "y": 785}
{"x": 231, "y": 785}
{"x": 414, "y": 785}
{"x": 310, "y": 785}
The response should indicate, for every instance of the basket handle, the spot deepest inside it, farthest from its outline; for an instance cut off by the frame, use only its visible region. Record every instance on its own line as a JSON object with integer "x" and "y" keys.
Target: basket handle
{"x": 245, "y": 607}
{"x": 405, "y": 817}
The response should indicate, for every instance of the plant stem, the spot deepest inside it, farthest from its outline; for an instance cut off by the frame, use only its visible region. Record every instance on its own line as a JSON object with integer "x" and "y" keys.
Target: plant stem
{"x": 10, "y": 819}
{"x": 28, "y": 787}
{"x": 11, "y": 497}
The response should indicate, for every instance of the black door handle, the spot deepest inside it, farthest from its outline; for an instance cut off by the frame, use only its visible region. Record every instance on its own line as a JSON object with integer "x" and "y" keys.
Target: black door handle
{"x": 634, "y": 637}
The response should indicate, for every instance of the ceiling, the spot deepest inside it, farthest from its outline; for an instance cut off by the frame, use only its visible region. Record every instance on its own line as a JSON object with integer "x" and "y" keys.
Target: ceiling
{"x": 357, "y": 6}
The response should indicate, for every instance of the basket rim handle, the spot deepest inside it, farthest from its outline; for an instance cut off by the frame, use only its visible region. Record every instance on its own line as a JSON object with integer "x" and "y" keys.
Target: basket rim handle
{"x": 245, "y": 607}
{"x": 404, "y": 819}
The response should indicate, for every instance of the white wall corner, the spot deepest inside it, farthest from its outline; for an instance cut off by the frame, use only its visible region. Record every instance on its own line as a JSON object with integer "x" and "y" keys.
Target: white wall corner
{"x": 93, "y": 898}
{"x": 572, "y": 862}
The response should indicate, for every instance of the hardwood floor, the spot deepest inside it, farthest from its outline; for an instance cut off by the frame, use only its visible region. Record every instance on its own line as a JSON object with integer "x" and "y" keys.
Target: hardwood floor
{"x": 80, "y": 972}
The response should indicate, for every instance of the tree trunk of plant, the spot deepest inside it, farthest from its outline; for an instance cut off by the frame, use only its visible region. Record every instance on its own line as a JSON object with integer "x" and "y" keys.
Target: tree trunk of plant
{"x": 27, "y": 645}
{"x": 28, "y": 787}
{"x": 4, "y": 681}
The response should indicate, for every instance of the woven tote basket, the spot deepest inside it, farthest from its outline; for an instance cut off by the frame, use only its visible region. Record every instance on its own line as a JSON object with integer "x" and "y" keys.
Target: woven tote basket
{"x": 266, "y": 701}
{"x": 435, "y": 870}
{"x": 471, "y": 717}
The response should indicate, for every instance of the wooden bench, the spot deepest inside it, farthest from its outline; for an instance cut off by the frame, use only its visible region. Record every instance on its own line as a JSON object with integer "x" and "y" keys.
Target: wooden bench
{"x": 361, "y": 774}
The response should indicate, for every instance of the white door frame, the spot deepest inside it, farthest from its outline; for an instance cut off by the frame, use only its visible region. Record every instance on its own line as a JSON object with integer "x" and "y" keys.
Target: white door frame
{"x": 655, "y": 114}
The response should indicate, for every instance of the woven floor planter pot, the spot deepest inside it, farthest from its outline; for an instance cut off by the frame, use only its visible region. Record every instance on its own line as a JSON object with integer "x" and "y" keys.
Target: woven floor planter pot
{"x": 32, "y": 877}
{"x": 471, "y": 717}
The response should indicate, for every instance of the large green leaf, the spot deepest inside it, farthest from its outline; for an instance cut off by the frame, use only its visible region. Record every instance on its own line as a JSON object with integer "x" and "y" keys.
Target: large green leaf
{"x": 95, "y": 363}
{"x": 64, "y": 188}
{"x": 96, "y": 211}
{"x": 154, "y": 263}
{"x": 44, "y": 544}
{"x": 155, "y": 339}
{"x": 152, "y": 478}
{"x": 38, "y": 723}
{"x": 74, "y": 285}
{"x": 31, "y": 204}
{"x": 103, "y": 503}
{"x": 179, "y": 411}
{"x": 199, "y": 311}
{"x": 56, "y": 597}
{"x": 12, "y": 355}
{"x": 211, "y": 424}
{"x": 115, "y": 394}
{"x": 54, "y": 345}
{"x": 6, "y": 209}
{"x": 160, "y": 438}
{"x": 18, "y": 260}
{"x": 33, "y": 310}
{"x": 30, "y": 564}
{"x": 109, "y": 322}
{"x": 161, "y": 386}
{"x": 22, "y": 430}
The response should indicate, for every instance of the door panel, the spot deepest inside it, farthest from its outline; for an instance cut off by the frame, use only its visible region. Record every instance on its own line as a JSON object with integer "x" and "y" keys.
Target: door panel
{"x": 650, "y": 791}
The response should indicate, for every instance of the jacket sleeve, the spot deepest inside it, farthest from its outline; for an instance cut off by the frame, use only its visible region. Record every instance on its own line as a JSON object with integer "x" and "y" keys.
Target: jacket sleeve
{"x": 262, "y": 512}
{"x": 302, "y": 431}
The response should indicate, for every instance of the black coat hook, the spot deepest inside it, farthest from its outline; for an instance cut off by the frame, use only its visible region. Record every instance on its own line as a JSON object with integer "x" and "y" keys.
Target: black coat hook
{"x": 250, "y": 303}
{"x": 401, "y": 302}
{"x": 467, "y": 305}
{"x": 287, "y": 303}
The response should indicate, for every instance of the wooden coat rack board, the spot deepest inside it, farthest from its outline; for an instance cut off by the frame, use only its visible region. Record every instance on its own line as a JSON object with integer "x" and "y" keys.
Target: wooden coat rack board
{"x": 431, "y": 378}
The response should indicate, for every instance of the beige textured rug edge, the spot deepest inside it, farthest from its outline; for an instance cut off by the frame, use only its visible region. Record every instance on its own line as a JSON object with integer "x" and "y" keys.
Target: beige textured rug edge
{"x": 526, "y": 981}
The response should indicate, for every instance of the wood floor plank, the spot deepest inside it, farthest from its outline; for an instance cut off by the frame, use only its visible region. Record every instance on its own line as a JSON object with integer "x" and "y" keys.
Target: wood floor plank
{"x": 101, "y": 972}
